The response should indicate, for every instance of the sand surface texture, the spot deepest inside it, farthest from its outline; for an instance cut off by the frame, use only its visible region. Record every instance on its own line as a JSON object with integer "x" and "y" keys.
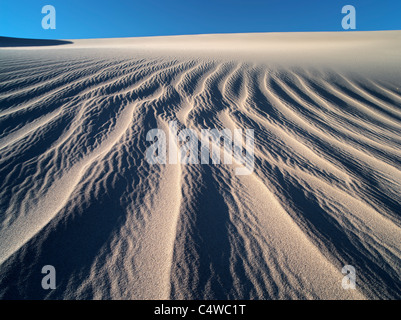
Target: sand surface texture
{"x": 77, "y": 192}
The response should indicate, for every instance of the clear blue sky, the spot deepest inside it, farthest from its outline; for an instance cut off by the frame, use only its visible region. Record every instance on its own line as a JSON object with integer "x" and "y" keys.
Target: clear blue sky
{"x": 123, "y": 18}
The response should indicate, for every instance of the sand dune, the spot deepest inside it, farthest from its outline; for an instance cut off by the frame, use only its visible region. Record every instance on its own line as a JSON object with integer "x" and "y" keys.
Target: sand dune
{"x": 21, "y": 42}
{"x": 77, "y": 192}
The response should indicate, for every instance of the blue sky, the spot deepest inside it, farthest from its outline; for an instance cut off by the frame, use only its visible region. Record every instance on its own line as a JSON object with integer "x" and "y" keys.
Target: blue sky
{"x": 77, "y": 19}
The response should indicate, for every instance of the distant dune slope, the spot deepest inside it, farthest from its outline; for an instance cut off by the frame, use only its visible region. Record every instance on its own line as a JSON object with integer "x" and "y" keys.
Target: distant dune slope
{"x": 20, "y": 42}
{"x": 76, "y": 191}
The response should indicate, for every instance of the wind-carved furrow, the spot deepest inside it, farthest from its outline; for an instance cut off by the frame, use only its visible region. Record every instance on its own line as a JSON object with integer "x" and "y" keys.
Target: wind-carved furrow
{"x": 171, "y": 100}
{"x": 43, "y": 73}
{"x": 25, "y": 130}
{"x": 199, "y": 265}
{"x": 387, "y": 155}
{"x": 80, "y": 84}
{"x": 203, "y": 261}
{"x": 65, "y": 82}
{"x": 348, "y": 120}
{"x": 132, "y": 80}
{"x": 191, "y": 86}
{"x": 281, "y": 143}
{"x": 389, "y": 92}
{"x": 9, "y": 122}
{"x": 77, "y": 190}
{"x": 335, "y": 133}
{"x": 77, "y": 164}
{"x": 236, "y": 88}
{"x": 256, "y": 165}
{"x": 349, "y": 158}
{"x": 121, "y": 82}
{"x": 210, "y": 101}
{"x": 345, "y": 129}
{"x": 360, "y": 109}
{"x": 148, "y": 84}
{"x": 367, "y": 186}
{"x": 42, "y": 211}
{"x": 193, "y": 82}
{"x": 369, "y": 98}
{"x": 36, "y": 74}
{"x": 112, "y": 76}
{"x": 387, "y": 98}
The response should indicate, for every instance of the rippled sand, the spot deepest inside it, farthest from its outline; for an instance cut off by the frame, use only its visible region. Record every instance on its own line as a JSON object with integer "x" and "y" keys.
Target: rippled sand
{"x": 76, "y": 191}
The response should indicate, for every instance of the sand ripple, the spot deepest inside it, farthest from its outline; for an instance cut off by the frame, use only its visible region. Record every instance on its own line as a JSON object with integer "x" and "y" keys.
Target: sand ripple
{"x": 76, "y": 191}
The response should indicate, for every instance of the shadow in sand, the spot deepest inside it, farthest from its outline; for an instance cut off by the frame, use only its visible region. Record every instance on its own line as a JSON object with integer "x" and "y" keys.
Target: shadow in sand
{"x": 76, "y": 238}
{"x": 208, "y": 252}
{"x": 21, "y": 42}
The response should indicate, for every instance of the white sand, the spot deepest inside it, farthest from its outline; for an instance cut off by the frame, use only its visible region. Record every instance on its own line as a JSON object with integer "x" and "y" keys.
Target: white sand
{"x": 76, "y": 191}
